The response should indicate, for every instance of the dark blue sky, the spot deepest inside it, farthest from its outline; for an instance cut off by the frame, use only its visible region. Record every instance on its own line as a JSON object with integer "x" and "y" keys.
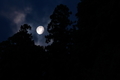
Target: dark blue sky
{"x": 14, "y": 13}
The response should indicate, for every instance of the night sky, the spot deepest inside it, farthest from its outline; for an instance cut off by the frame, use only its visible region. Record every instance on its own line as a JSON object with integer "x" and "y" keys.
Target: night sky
{"x": 14, "y": 13}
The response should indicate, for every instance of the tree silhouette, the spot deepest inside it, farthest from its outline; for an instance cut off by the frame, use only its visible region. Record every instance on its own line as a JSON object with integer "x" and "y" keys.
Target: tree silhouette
{"x": 59, "y": 33}
{"x": 96, "y": 20}
{"x": 20, "y": 58}
{"x": 22, "y": 38}
{"x": 89, "y": 51}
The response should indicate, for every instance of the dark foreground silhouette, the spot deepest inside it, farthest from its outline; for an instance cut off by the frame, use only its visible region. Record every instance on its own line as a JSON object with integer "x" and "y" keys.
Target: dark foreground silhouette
{"x": 87, "y": 51}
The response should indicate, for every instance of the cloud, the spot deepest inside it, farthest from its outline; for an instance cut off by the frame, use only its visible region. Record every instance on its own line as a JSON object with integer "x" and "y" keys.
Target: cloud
{"x": 16, "y": 16}
{"x": 32, "y": 12}
{"x": 19, "y": 17}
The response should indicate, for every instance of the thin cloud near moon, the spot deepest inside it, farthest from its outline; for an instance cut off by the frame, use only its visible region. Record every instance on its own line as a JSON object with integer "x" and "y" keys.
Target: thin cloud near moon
{"x": 17, "y": 17}
{"x": 30, "y": 14}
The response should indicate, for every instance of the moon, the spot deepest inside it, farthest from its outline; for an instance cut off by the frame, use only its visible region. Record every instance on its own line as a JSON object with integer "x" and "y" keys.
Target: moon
{"x": 40, "y": 29}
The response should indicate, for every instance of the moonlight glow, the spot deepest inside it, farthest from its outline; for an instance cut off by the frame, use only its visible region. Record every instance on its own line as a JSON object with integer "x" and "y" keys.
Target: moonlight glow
{"x": 40, "y": 29}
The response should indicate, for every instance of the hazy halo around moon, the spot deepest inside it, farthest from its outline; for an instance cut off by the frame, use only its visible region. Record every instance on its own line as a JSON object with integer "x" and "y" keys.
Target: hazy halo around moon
{"x": 40, "y": 29}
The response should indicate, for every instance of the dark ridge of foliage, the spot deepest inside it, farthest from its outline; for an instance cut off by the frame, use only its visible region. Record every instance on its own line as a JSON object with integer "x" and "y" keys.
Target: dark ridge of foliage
{"x": 88, "y": 51}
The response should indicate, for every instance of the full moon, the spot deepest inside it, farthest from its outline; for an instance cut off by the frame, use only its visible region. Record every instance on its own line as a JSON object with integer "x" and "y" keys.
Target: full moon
{"x": 40, "y": 29}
